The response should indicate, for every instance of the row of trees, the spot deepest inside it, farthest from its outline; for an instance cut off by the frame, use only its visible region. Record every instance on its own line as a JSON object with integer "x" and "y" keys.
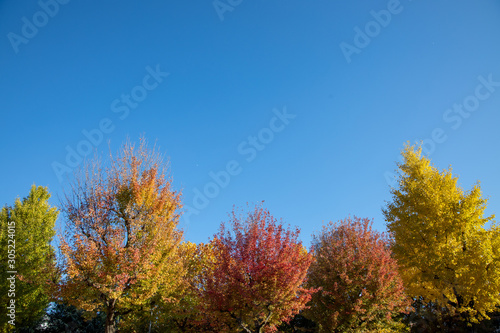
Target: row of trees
{"x": 123, "y": 264}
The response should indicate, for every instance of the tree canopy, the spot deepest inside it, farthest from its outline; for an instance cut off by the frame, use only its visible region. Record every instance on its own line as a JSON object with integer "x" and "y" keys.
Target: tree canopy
{"x": 360, "y": 287}
{"x": 121, "y": 242}
{"x": 124, "y": 265}
{"x": 258, "y": 274}
{"x": 26, "y": 232}
{"x": 446, "y": 253}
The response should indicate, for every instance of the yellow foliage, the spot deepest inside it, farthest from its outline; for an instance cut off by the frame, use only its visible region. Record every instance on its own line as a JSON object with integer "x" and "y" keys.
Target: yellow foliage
{"x": 444, "y": 251}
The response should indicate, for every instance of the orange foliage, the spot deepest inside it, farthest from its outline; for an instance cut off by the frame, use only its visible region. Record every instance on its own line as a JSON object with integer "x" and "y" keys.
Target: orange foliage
{"x": 121, "y": 241}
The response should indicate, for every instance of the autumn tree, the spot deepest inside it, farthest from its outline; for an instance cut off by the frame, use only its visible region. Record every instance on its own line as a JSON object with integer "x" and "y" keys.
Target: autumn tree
{"x": 121, "y": 242}
{"x": 446, "y": 254}
{"x": 360, "y": 287}
{"x": 257, "y": 277}
{"x": 27, "y": 260}
{"x": 190, "y": 313}
{"x": 179, "y": 310}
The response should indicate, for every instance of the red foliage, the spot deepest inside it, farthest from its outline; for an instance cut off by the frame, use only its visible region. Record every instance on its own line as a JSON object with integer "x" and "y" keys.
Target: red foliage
{"x": 359, "y": 280}
{"x": 259, "y": 271}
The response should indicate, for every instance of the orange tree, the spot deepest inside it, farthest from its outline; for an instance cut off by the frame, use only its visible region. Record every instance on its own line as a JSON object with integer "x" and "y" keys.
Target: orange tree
{"x": 121, "y": 243}
{"x": 360, "y": 288}
{"x": 258, "y": 273}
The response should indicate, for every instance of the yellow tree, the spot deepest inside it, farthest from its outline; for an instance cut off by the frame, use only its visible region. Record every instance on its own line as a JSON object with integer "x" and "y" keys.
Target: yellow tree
{"x": 446, "y": 254}
{"x": 190, "y": 314}
{"x": 182, "y": 309}
{"x": 121, "y": 242}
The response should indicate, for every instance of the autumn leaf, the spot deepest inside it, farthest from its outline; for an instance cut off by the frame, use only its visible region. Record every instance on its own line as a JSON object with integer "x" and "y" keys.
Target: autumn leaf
{"x": 360, "y": 287}
{"x": 256, "y": 281}
{"x": 121, "y": 242}
{"x": 446, "y": 254}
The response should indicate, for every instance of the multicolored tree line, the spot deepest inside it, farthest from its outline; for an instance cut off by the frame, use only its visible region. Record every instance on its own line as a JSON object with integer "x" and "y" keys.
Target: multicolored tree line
{"x": 124, "y": 266}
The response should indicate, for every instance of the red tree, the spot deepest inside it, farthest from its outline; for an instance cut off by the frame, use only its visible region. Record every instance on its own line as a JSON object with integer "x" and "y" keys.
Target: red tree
{"x": 260, "y": 267}
{"x": 361, "y": 289}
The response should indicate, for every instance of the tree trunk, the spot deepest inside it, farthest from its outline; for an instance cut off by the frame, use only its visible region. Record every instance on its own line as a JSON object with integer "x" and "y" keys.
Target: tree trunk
{"x": 110, "y": 318}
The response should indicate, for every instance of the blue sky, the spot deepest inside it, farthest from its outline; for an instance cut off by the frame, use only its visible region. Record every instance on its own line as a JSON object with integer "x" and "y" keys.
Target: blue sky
{"x": 307, "y": 104}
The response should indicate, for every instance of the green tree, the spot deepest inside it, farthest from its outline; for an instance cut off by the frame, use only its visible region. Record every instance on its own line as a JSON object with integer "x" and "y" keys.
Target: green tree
{"x": 27, "y": 229}
{"x": 298, "y": 324}
{"x": 63, "y": 318}
{"x": 446, "y": 254}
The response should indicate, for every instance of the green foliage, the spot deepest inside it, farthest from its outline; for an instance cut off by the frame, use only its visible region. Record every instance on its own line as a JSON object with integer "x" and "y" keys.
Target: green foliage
{"x": 34, "y": 221}
{"x": 429, "y": 317}
{"x": 298, "y": 324}
{"x": 445, "y": 253}
{"x": 65, "y": 318}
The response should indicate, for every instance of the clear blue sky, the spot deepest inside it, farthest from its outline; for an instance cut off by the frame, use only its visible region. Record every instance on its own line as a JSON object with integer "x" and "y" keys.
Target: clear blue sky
{"x": 351, "y": 81}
